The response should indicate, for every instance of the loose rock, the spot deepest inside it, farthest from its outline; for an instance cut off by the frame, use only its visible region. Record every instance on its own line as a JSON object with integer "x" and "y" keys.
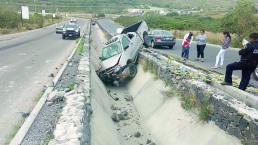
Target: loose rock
{"x": 115, "y": 117}
{"x": 137, "y": 134}
{"x": 113, "y": 107}
{"x": 128, "y": 98}
{"x": 148, "y": 141}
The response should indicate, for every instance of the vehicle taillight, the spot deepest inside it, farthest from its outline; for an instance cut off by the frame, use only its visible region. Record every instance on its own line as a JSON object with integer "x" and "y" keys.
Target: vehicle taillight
{"x": 157, "y": 38}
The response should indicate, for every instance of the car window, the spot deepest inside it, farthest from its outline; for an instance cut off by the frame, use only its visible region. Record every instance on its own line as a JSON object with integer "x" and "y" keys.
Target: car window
{"x": 111, "y": 50}
{"x": 125, "y": 41}
{"x": 157, "y": 33}
{"x": 166, "y": 33}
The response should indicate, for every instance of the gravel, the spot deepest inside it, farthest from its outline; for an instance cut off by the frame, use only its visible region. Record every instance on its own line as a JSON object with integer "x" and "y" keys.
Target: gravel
{"x": 42, "y": 128}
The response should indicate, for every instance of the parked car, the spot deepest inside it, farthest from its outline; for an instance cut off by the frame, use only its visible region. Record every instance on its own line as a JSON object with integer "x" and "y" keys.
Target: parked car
{"x": 71, "y": 30}
{"x": 59, "y": 29}
{"x": 255, "y": 74}
{"x": 120, "y": 53}
{"x": 161, "y": 38}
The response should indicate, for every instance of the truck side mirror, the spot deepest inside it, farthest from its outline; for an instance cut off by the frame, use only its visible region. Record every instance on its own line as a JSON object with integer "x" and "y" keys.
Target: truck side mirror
{"x": 119, "y": 30}
{"x": 126, "y": 47}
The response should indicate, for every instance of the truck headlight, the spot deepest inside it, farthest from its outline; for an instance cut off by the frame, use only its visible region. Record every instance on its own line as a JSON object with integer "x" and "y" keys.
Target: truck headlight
{"x": 76, "y": 31}
{"x": 64, "y": 30}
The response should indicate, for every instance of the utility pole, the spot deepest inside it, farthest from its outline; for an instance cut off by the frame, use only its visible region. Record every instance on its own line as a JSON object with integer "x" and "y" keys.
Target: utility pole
{"x": 35, "y": 9}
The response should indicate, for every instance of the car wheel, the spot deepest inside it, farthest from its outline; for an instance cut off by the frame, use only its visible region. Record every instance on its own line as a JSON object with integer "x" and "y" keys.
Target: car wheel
{"x": 152, "y": 44}
{"x": 132, "y": 70}
{"x": 171, "y": 47}
{"x": 255, "y": 74}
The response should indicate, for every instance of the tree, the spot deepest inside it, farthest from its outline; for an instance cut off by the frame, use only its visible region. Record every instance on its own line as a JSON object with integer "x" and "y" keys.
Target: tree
{"x": 241, "y": 20}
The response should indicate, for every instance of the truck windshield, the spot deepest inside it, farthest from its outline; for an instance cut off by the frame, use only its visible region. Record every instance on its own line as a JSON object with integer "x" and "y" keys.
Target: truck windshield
{"x": 111, "y": 50}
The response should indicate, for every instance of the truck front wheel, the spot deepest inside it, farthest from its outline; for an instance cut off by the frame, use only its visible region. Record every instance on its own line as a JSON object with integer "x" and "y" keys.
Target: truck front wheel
{"x": 132, "y": 70}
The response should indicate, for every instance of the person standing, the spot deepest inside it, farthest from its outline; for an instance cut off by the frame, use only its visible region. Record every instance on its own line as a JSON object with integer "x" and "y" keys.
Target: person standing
{"x": 247, "y": 63}
{"x": 201, "y": 44}
{"x": 188, "y": 38}
{"x": 225, "y": 45}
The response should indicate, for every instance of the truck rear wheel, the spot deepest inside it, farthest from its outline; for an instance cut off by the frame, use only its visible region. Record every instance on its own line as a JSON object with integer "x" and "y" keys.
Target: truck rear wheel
{"x": 132, "y": 70}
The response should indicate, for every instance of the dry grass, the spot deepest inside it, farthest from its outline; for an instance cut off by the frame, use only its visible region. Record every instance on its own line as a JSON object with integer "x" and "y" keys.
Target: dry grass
{"x": 213, "y": 38}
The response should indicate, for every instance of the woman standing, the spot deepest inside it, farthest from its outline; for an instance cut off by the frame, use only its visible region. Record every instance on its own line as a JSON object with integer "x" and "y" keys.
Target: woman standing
{"x": 225, "y": 45}
{"x": 186, "y": 45}
{"x": 201, "y": 44}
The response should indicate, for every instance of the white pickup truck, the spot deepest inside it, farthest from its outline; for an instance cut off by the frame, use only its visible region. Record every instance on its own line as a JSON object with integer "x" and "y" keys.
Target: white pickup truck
{"x": 120, "y": 53}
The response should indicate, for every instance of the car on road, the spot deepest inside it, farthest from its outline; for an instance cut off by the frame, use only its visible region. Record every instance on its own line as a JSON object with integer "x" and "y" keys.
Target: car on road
{"x": 59, "y": 29}
{"x": 71, "y": 30}
{"x": 120, "y": 53}
{"x": 161, "y": 38}
{"x": 73, "y": 20}
{"x": 93, "y": 22}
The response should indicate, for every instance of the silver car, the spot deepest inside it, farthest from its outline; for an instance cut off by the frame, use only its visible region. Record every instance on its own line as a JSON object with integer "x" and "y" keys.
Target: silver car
{"x": 120, "y": 54}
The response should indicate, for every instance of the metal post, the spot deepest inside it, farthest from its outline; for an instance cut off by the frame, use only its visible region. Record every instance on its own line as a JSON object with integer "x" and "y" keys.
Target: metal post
{"x": 35, "y": 9}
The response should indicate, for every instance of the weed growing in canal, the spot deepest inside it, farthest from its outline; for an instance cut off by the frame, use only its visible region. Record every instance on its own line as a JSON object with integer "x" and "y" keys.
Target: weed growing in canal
{"x": 71, "y": 86}
{"x": 204, "y": 110}
{"x": 145, "y": 65}
{"x": 149, "y": 66}
{"x": 246, "y": 141}
{"x": 188, "y": 102}
{"x": 14, "y": 131}
{"x": 171, "y": 93}
{"x": 47, "y": 138}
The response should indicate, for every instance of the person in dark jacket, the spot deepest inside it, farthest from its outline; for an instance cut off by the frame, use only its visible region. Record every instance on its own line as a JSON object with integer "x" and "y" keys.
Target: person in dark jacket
{"x": 247, "y": 63}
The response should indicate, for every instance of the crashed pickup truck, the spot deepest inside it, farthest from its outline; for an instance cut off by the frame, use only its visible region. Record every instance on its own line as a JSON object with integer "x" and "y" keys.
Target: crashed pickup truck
{"x": 120, "y": 53}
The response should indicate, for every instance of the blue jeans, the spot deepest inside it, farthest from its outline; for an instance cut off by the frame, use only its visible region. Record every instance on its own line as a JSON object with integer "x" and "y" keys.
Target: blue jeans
{"x": 185, "y": 53}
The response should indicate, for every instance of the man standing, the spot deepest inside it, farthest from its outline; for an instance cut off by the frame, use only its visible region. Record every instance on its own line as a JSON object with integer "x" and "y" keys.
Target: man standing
{"x": 247, "y": 63}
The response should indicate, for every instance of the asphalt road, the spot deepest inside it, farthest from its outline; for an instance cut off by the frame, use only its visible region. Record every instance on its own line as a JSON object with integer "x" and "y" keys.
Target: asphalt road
{"x": 210, "y": 51}
{"x": 26, "y": 61}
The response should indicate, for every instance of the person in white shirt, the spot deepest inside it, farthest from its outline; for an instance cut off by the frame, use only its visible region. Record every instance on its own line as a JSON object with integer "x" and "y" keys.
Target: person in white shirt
{"x": 201, "y": 44}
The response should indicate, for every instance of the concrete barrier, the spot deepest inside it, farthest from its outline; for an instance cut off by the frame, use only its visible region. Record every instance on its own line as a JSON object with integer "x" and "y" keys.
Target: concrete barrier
{"x": 229, "y": 113}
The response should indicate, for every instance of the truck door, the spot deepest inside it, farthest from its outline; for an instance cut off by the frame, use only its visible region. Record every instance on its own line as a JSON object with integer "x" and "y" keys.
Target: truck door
{"x": 127, "y": 47}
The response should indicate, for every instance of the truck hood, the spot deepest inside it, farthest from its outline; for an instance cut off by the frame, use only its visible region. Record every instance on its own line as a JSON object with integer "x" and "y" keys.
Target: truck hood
{"x": 110, "y": 62}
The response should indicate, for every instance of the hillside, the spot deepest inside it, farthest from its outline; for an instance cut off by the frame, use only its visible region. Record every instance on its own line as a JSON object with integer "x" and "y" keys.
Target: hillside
{"x": 119, "y": 5}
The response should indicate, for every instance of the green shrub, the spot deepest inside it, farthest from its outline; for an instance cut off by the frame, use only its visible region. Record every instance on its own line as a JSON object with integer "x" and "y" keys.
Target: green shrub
{"x": 188, "y": 102}
{"x": 174, "y": 22}
{"x": 8, "y": 18}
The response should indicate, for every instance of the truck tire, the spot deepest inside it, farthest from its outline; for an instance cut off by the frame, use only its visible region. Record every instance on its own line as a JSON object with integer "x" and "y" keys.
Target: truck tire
{"x": 132, "y": 70}
{"x": 63, "y": 37}
{"x": 255, "y": 74}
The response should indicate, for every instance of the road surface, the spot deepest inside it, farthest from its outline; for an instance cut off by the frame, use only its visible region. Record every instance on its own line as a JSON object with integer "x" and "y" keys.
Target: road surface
{"x": 26, "y": 61}
{"x": 210, "y": 51}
